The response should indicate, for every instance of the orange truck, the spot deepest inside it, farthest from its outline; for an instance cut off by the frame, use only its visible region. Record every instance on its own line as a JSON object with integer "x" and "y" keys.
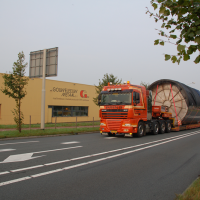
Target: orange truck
{"x": 128, "y": 109}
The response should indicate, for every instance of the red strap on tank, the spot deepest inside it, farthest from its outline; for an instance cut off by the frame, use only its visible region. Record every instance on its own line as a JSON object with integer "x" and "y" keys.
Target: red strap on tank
{"x": 174, "y": 103}
{"x": 155, "y": 96}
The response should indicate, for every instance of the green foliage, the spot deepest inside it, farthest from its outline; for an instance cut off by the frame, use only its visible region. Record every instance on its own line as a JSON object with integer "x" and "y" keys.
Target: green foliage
{"x": 181, "y": 17}
{"x": 146, "y": 85}
{"x": 107, "y": 78}
{"x": 14, "y": 84}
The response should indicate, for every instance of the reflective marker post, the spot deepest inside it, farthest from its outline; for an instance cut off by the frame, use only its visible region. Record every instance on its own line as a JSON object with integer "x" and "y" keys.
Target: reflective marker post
{"x": 43, "y": 91}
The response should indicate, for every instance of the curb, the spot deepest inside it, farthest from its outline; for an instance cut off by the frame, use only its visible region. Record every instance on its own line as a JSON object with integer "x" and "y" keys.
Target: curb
{"x": 43, "y": 136}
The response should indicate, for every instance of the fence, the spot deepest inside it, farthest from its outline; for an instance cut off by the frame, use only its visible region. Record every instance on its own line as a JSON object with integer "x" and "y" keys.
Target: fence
{"x": 35, "y": 120}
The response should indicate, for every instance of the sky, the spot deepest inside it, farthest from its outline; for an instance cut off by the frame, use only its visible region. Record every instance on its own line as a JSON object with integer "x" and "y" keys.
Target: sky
{"x": 94, "y": 37}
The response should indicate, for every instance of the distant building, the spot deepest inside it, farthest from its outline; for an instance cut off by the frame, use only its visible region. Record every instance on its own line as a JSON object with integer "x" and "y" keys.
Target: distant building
{"x": 63, "y": 100}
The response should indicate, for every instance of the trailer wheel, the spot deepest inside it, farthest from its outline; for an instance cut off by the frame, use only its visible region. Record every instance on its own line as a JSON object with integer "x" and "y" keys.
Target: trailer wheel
{"x": 140, "y": 131}
{"x": 168, "y": 127}
{"x": 162, "y": 127}
{"x": 155, "y": 128}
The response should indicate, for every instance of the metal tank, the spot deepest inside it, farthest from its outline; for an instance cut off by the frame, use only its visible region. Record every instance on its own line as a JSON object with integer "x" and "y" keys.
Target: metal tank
{"x": 181, "y": 100}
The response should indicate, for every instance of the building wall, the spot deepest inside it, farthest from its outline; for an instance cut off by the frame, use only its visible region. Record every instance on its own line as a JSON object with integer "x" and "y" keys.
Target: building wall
{"x": 58, "y": 93}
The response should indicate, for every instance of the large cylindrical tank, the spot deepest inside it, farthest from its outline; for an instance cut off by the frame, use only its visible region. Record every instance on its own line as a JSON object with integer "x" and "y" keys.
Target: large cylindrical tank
{"x": 185, "y": 104}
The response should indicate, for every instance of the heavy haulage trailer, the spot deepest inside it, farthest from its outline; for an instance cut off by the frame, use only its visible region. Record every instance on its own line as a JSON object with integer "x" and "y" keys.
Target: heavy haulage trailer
{"x": 166, "y": 106}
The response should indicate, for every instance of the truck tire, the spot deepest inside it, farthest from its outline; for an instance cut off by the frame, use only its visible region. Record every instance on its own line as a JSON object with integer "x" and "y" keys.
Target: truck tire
{"x": 140, "y": 131}
{"x": 168, "y": 127}
{"x": 155, "y": 128}
{"x": 162, "y": 127}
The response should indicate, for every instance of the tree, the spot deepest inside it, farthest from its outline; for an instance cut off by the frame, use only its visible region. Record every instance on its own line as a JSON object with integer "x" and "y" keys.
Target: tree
{"x": 14, "y": 87}
{"x": 146, "y": 85}
{"x": 107, "y": 78}
{"x": 181, "y": 19}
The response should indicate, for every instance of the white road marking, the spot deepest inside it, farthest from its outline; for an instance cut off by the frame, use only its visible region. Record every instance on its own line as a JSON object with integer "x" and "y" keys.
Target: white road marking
{"x": 53, "y": 163}
{"x": 28, "y": 156}
{"x": 98, "y": 160}
{"x": 15, "y": 180}
{"x": 73, "y": 142}
{"x": 45, "y": 173}
{"x": 22, "y": 169}
{"x": 18, "y": 142}
{"x": 6, "y": 172}
{"x": 3, "y": 150}
{"x": 80, "y": 157}
{"x": 58, "y": 149}
{"x": 20, "y": 158}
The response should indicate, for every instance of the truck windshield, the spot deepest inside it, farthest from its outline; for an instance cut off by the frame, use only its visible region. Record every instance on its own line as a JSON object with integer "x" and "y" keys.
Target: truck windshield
{"x": 116, "y": 99}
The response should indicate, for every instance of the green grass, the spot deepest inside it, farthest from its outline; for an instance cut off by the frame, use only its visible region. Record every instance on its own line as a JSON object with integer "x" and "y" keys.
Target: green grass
{"x": 50, "y": 125}
{"x": 39, "y": 132}
{"x": 192, "y": 193}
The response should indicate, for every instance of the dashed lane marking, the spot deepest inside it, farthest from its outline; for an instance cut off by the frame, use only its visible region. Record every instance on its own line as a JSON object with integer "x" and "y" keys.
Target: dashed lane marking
{"x": 3, "y": 150}
{"x": 18, "y": 142}
{"x": 72, "y": 142}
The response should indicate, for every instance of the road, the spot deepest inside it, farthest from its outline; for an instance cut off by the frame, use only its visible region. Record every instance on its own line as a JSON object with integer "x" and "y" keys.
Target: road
{"x": 91, "y": 166}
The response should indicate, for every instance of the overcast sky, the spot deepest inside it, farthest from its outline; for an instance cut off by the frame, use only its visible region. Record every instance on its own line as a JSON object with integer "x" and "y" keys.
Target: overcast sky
{"x": 94, "y": 37}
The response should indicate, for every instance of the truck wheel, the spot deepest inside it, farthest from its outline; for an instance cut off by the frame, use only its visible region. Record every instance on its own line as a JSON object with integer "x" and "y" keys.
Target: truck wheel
{"x": 140, "y": 131}
{"x": 168, "y": 127}
{"x": 155, "y": 128}
{"x": 162, "y": 127}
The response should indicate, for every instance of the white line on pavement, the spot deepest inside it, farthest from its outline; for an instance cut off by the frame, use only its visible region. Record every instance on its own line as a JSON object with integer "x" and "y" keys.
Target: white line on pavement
{"x": 57, "y": 149}
{"x": 18, "y": 142}
{"x": 22, "y": 169}
{"x": 15, "y": 180}
{"x": 72, "y": 142}
{"x": 3, "y": 150}
{"x": 58, "y": 162}
{"x": 97, "y": 160}
{"x": 6, "y": 172}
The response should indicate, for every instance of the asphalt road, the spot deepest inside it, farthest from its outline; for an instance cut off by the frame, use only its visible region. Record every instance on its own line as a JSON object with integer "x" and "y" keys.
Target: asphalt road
{"x": 91, "y": 166}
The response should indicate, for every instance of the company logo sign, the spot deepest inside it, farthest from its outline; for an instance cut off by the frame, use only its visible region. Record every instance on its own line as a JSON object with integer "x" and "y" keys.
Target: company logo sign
{"x": 65, "y": 92}
{"x": 83, "y": 94}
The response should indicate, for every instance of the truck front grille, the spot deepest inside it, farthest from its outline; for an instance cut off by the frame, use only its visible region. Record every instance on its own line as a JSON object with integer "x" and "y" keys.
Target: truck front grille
{"x": 114, "y": 114}
{"x": 114, "y": 124}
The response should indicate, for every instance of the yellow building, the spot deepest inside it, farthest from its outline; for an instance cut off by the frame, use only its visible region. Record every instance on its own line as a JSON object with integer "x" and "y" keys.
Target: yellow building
{"x": 64, "y": 101}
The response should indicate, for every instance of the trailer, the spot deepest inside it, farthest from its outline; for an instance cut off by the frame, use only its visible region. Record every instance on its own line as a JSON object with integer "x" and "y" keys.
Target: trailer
{"x": 128, "y": 109}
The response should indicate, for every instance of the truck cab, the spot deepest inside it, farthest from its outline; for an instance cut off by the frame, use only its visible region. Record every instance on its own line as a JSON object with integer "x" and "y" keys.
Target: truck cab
{"x": 124, "y": 109}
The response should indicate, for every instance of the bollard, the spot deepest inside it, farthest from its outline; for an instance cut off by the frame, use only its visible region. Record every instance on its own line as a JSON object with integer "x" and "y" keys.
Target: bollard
{"x": 30, "y": 123}
{"x": 55, "y": 121}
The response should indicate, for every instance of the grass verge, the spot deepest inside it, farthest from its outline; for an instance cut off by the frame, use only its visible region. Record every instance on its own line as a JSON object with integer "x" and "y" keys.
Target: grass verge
{"x": 192, "y": 193}
{"x": 50, "y": 125}
{"x": 39, "y": 132}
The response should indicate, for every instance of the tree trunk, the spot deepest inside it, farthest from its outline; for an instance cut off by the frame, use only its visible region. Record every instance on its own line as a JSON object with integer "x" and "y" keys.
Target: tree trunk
{"x": 19, "y": 117}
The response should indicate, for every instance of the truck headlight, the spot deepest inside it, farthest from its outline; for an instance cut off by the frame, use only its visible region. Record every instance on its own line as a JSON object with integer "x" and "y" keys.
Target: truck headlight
{"x": 102, "y": 124}
{"x": 126, "y": 125}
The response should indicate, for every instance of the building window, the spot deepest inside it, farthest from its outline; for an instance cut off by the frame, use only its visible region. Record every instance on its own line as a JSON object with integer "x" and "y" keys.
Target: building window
{"x": 69, "y": 111}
